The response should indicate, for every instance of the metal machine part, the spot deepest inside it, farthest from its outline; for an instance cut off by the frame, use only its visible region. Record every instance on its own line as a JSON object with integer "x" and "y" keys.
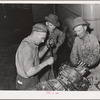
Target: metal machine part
{"x": 75, "y": 76}
{"x": 69, "y": 79}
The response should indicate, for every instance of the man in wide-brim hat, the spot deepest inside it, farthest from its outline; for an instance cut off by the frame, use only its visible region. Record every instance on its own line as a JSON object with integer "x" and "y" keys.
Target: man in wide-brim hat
{"x": 55, "y": 39}
{"x": 53, "y": 19}
{"x": 86, "y": 46}
{"x": 79, "y": 21}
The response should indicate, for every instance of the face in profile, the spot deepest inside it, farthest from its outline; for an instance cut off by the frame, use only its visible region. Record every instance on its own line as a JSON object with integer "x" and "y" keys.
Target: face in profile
{"x": 40, "y": 37}
{"x": 80, "y": 31}
{"x": 50, "y": 26}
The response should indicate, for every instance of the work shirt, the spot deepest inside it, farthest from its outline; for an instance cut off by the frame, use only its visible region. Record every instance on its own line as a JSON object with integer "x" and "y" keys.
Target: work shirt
{"x": 87, "y": 49}
{"x": 58, "y": 37}
{"x": 26, "y": 57}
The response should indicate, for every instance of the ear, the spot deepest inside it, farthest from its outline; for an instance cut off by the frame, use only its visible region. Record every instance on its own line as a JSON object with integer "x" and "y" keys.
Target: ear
{"x": 46, "y": 23}
{"x": 85, "y": 27}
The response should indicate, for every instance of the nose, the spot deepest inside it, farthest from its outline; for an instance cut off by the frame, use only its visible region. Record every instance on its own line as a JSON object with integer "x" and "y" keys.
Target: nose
{"x": 77, "y": 33}
{"x": 42, "y": 40}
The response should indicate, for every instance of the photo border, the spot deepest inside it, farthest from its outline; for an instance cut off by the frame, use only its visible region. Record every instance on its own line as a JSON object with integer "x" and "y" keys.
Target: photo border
{"x": 49, "y": 94}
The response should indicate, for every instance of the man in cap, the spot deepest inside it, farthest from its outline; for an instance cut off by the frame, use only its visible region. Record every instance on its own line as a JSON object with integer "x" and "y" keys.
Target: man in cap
{"x": 86, "y": 47}
{"x": 28, "y": 58}
{"x": 55, "y": 39}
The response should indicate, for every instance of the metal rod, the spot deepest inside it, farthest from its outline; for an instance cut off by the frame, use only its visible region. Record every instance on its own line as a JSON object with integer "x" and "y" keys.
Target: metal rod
{"x": 51, "y": 51}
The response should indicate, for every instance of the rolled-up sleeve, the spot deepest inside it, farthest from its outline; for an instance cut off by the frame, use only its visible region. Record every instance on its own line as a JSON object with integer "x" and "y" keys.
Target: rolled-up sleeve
{"x": 61, "y": 38}
{"x": 94, "y": 56}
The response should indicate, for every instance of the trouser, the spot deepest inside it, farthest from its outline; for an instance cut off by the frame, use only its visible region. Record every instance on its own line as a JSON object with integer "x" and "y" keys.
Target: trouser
{"x": 46, "y": 74}
{"x": 26, "y": 83}
{"x": 95, "y": 79}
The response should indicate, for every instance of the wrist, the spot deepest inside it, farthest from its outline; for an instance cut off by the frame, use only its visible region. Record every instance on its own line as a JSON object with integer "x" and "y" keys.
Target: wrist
{"x": 46, "y": 47}
{"x": 57, "y": 46}
{"x": 89, "y": 65}
{"x": 44, "y": 64}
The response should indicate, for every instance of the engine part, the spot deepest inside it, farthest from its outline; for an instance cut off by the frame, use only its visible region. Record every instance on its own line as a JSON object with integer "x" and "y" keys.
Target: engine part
{"x": 69, "y": 79}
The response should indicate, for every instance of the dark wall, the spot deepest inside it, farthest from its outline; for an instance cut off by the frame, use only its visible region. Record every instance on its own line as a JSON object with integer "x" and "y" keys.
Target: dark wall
{"x": 39, "y": 11}
{"x": 15, "y": 15}
{"x": 65, "y": 11}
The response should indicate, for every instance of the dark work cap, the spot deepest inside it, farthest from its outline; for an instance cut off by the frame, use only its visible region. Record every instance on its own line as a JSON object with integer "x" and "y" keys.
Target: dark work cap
{"x": 39, "y": 28}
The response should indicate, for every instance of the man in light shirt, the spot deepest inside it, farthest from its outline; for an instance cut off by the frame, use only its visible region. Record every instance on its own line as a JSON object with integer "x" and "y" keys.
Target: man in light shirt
{"x": 86, "y": 46}
{"x": 28, "y": 58}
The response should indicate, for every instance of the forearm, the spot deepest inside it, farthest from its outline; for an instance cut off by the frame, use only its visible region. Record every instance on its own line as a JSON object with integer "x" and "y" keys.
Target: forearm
{"x": 35, "y": 69}
{"x": 94, "y": 56}
{"x": 73, "y": 61}
{"x": 55, "y": 49}
{"x": 92, "y": 60}
{"x": 60, "y": 42}
{"x": 43, "y": 51}
{"x": 74, "y": 56}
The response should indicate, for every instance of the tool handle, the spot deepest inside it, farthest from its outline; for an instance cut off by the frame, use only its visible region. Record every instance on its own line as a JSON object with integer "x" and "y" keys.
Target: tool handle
{"x": 51, "y": 51}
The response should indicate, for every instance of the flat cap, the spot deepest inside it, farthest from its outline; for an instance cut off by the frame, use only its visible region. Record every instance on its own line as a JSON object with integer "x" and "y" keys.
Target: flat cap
{"x": 39, "y": 28}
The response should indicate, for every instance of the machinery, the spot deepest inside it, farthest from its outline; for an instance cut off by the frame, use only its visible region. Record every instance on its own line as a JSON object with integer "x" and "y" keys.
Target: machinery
{"x": 69, "y": 79}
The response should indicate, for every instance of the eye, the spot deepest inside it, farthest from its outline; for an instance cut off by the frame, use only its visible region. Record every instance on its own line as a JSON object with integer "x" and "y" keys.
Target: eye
{"x": 61, "y": 77}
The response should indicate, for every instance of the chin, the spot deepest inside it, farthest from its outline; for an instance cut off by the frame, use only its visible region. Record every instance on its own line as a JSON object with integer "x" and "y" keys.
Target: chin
{"x": 81, "y": 37}
{"x": 37, "y": 43}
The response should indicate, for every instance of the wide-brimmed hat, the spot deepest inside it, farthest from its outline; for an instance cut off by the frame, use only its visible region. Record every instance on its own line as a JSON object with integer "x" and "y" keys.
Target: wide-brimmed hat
{"x": 53, "y": 19}
{"x": 79, "y": 21}
{"x": 39, "y": 27}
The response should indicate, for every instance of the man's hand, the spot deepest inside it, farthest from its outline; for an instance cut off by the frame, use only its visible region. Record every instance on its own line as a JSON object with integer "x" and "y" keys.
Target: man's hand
{"x": 50, "y": 61}
{"x": 50, "y": 42}
{"x": 82, "y": 64}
